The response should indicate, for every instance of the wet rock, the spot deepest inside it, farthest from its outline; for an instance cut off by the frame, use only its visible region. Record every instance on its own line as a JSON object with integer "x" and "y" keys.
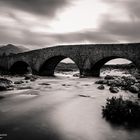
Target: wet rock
{"x": 138, "y": 85}
{"x": 101, "y": 87}
{"x": 117, "y": 82}
{"x": 64, "y": 85}
{"x": 81, "y": 95}
{"x": 5, "y": 81}
{"x": 27, "y": 77}
{"x": 18, "y": 82}
{"x": 3, "y": 87}
{"x": 139, "y": 95}
{"x": 137, "y": 76}
{"x": 123, "y": 83}
{"x": 5, "y": 84}
{"x": 134, "y": 89}
{"x": 83, "y": 76}
{"x": 102, "y": 81}
{"x": 24, "y": 87}
{"x": 86, "y": 85}
{"x": 111, "y": 83}
{"x": 109, "y": 77}
{"x": 113, "y": 89}
{"x": 30, "y": 77}
{"x": 76, "y": 75}
{"x": 46, "y": 84}
{"x": 2, "y": 97}
{"x": 130, "y": 80}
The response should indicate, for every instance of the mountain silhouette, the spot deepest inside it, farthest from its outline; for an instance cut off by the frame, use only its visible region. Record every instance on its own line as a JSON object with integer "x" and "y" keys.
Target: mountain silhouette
{"x": 10, "y": 49}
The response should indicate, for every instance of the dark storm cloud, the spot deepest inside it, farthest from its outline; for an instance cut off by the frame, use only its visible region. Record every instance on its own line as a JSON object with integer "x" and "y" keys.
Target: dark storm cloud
{"x": 83, "y": 36}
{"x": 39, "y": 40}
{"x": 40, "y": 7}
{"x": 42, "y": 40}
{"x": 111, "y": 29}
{"x": 123, "y": 30}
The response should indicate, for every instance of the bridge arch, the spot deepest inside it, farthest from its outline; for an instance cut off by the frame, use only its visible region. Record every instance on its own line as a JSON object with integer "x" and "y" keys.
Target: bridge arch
{"x": 95, "y": 69}
{"x": 20, "y": 67}
{"x": 47, "y": 68}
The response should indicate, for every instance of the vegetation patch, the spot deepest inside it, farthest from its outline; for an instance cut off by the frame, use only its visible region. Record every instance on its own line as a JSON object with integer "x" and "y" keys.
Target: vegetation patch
{"x": 120, "y": 111}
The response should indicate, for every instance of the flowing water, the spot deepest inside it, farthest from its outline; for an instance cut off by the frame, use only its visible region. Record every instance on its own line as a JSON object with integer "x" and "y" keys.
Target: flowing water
{"x": 60, "y": 108}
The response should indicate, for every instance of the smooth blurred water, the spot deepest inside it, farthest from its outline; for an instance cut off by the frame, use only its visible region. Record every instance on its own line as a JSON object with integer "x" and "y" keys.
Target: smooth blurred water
{"x": 57, "y": 111}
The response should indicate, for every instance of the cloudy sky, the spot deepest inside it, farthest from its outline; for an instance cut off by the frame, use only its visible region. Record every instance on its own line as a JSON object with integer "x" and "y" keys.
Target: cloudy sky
{"x": 41, "y": 23}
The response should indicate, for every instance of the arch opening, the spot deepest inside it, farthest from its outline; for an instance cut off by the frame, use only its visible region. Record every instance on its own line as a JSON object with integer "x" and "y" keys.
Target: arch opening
{"x": 58, "y": 65}
{"x": 20, "y": 67}
{"x": 115, "y": 66}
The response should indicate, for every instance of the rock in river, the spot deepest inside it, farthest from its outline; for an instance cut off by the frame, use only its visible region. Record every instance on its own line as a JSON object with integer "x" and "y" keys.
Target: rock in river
{"x": 113, "y": 89}
{"x": 30, "y": 77}
{"x": 18, "y": 82}
{"x": 134, "y": 89}
{"x": 5, "y": 84}
{"x": 101, "y": 87}
{"x": 102, "y": 81}
{"x": 109, "y": 77}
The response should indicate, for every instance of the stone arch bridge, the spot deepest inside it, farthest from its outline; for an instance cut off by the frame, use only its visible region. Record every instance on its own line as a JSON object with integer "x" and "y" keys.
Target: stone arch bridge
{"x": 89, "y": 58}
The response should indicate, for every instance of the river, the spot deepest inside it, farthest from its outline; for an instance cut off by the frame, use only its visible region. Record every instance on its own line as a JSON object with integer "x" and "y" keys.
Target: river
{"x": 60, "y": 108}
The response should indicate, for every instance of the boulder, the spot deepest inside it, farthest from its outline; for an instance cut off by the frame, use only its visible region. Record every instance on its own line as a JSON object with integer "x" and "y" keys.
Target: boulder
{"x": 83, "y": 76}
{"x": 24, "y": 87}
{"x": 5, "y": 81}
{"x": 101, "y": 87}
{"x": 27, "y": 77}
{"x": 139, "y": 95}
{"x": 134, "y": 89}
{"x": 3, "y": 87}
{"x": 76, "y": 75}
{"x": 18, "y": 82}
{"x": 2, "y": 97}
{"x": 81, "y": 95}
{"x": 30, "y": 77}
{"x": 113, "y": 89}
{"x": 137, "y": 76}
{"x": 5, "y": 84}
{"x": 109, "y": 77}
{"x": 130, "y": 80}
{"x": 138, "y": 85}
{"x": 111, "y": 83}
{"x": 46, "y": 84}
{"x": 102, "y": 81}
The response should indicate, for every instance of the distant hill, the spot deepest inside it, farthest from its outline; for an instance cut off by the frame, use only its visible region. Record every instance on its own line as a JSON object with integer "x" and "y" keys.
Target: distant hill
{"x": 72, "y": 67}
{"x": 11, "y": 49}
{"x": 66, "y": 67}
{"x": 120, "y": 66}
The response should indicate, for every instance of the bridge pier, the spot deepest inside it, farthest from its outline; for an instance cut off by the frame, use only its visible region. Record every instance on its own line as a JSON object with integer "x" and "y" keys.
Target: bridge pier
{"x": 46, "y": 73}
{"x": 89, "y": 73}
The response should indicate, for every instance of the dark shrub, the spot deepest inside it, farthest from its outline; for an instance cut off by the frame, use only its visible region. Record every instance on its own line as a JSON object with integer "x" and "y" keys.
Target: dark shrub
{"x": 121, "y": 111}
